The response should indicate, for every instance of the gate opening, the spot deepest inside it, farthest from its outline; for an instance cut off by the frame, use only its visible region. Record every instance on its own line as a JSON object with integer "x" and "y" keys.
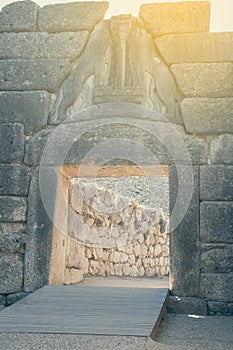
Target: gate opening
{"x": 116, "y": 221}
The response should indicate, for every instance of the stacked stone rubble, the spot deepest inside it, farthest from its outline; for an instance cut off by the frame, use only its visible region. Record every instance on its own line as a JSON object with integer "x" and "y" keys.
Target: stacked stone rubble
{"x": 133, "y": 240}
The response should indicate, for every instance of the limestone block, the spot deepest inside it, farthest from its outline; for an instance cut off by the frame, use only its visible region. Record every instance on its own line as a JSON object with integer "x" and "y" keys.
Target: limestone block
{"x": 149, "y": 272}
{"x": 194, "y": 145}
{"x": 208, "y": 115}
{"x": 29, "y": 108}
{"x": 219, "y": 260}
{"x": 12, "y": 237}
{"x": 126, "y": 269}
{"x": 217, "y": 287}
{"x": 11, "y": 274}
{"x": 88, "y": 252}
{"x": 39, "y": 235}
{"x": 13, "y": 209}
{"x": 75, "y": 256}
{"x": 124, "y": 258}
{"x": 146, "y": 263}
{"x": 60, "y": 45}
{"x": 11, "y": 142}
{"x": 221, "y": 150}
{"x": 71, "y": 17}
{"x": 157, "y": 250}
{"x": 196, "y": 47}
{"x": 73, "y": 276}
{"x": 14, "y": 179}
{"x": 41, "y": 74}
{"x": 105, "y": 257}
{"x": 19, "y": 16}
{"x": 184, "y": 239}
{"x": 132, "y": 259}
{"x": 118, "y": 270}
{"x": 102, "y": 269}
{"x": 111, "y": 269}
{"x": 216, "y": 222}
{"x": 141, "y": 271}
{"x": 35, "y": 147}
{"x": 133, "y": 271}
{"x": 204, "y": 79}
{"x": 137, "y": 249}
{"x": 116, "y": 257}
{"x": 152, "y": 262}
{"x": 94, "y": 267}
{"x": 216, "y": 183}
{"x": 170, "y": 138}
{"x": 187, "y": 305}
{"x": 165, "y": 251}
{"x": 181, "y": 17}
{"x": 144, "y": 250}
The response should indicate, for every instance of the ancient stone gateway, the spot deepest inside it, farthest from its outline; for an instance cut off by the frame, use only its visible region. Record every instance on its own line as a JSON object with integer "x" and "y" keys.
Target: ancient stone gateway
{"x": 152, "y": 93}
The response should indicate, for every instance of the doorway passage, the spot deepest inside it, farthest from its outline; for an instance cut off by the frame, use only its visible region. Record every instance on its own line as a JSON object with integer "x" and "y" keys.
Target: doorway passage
{"x": 117, "y": 224}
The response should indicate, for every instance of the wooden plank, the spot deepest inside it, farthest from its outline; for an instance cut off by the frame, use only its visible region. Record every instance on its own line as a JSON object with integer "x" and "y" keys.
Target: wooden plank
{"x": 86, "y": 310}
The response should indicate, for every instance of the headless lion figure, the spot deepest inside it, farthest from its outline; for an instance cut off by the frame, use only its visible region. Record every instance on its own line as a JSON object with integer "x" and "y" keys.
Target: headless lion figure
{"x": 107, "y": 60}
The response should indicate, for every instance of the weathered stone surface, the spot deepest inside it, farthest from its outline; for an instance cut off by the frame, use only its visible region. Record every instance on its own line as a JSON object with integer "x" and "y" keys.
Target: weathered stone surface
{"x": 73, "y": 276}
{"x": 11, "y": 142}
{"x": 216, "y": 287}
{"x": 221, "y": 150}
{"x": 196, "y": 47}
{"x": 217, "y": 308}
{"x": 187, "y": 305}
{"x": 194, "y": 145}
{"x": 19, "y": 17}
{"x": 216, "y": 222}
{"x": 208, "y": 115}
{"x": 216, "y": 183}
{"x": 61, "y": 45}
{"x": 13, "y": 298}
{"x": 35, "y": 146}
{"x": 217, "y": 260}
{"x": 12, "y": 237}
{"x": 14, "y": 179}
{"x": 204, "y": 79}
{"x": 71, "y": 17}
{"x": 181, "y": 17}
{"x": 13, "y": 209}
{"x": 184, "y": 239}
{"x": 29, "y": 108}
{"x": 39, "y": 237}
{"x": 41, "y": 74}
{"x": 168, "y": 143}
{"x": 11, "y": 273}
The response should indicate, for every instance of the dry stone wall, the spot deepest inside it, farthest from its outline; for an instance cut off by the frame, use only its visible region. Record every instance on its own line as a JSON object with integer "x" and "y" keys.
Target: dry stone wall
{"x": 118, "y": 237}
{"x": 196, "y": 68}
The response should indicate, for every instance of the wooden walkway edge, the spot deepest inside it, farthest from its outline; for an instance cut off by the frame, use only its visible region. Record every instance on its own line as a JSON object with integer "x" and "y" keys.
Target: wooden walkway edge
{"x": 86, "y": 310}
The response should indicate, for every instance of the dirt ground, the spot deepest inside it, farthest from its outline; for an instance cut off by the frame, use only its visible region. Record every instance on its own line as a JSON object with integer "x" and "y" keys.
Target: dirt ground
{"x": 180, "y": 332}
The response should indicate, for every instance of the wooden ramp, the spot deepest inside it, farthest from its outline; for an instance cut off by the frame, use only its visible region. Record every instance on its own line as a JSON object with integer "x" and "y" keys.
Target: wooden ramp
{"x": 86, "y": 310}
